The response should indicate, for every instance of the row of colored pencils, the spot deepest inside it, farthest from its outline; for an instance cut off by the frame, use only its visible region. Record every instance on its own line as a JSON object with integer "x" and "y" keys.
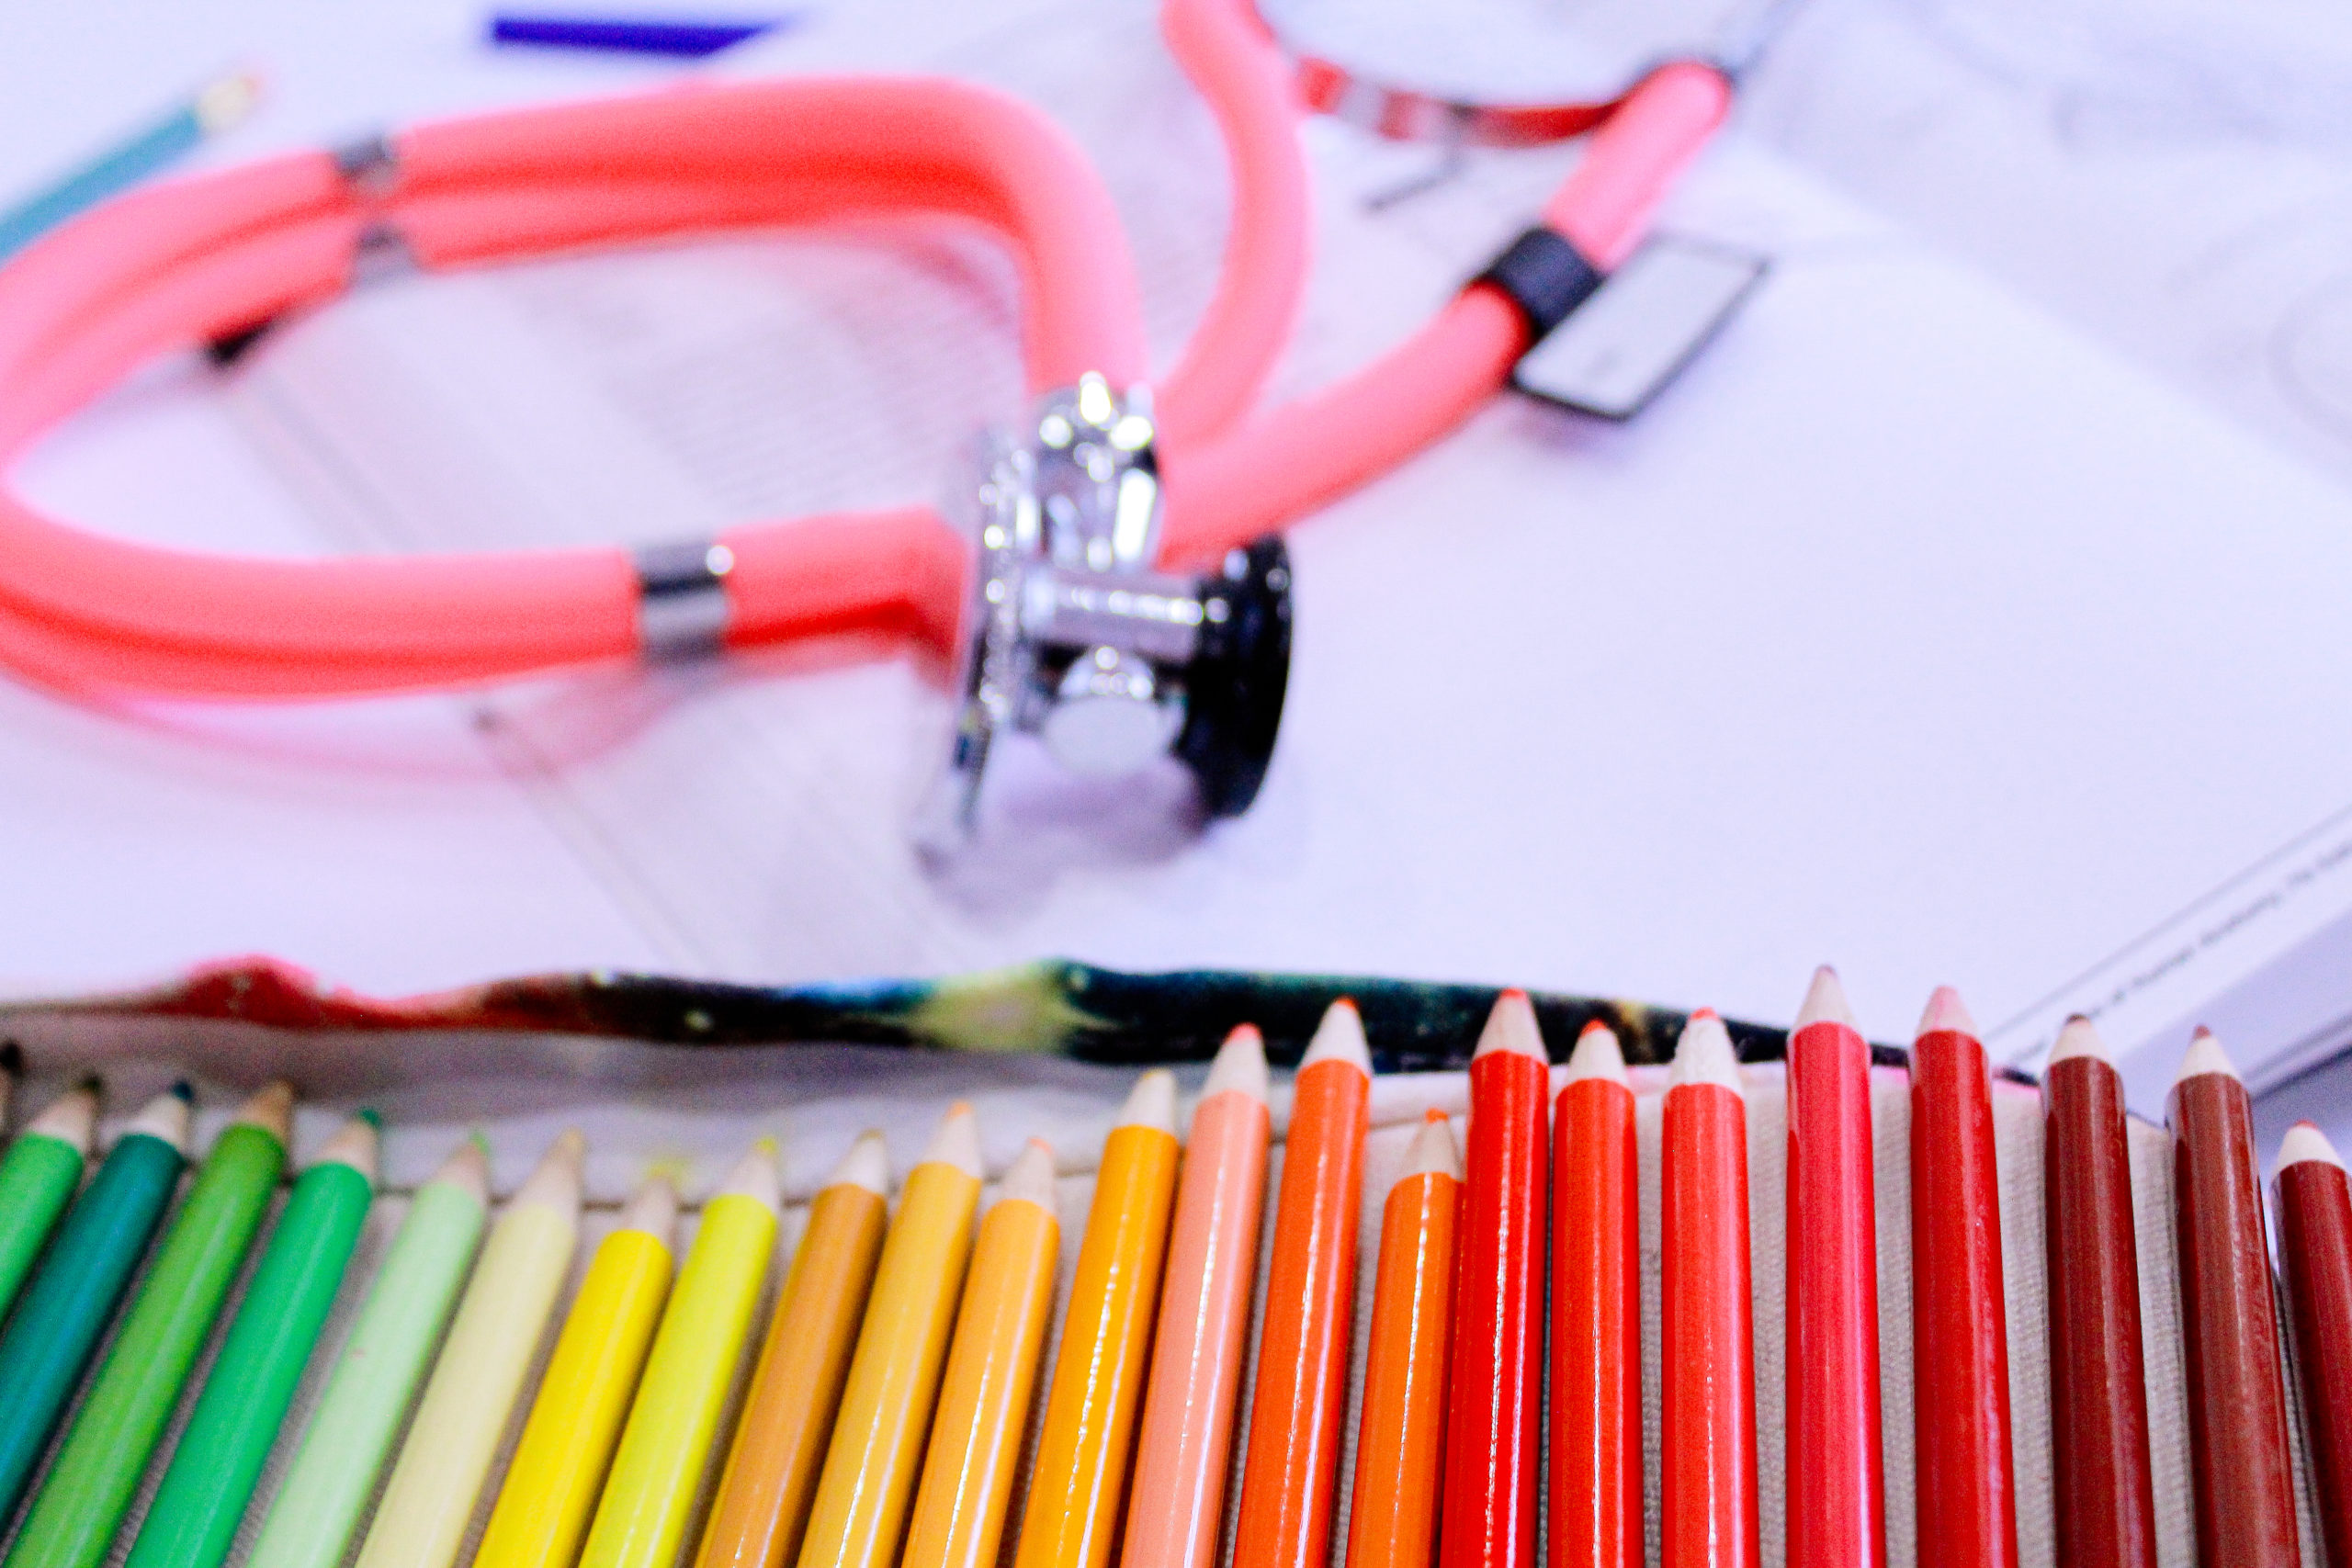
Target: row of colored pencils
{"x": 889, "y": 1404}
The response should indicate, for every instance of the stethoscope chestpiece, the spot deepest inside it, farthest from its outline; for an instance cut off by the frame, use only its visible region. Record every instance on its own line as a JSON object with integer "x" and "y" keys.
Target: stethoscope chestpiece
{"x": 1073, "y": 635}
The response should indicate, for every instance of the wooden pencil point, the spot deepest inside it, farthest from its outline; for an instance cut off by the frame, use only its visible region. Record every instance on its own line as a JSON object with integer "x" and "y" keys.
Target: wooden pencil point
{"x": 164, "y": 1117}
{"x": 1433, "y": 1151}
{"x": 1825, "y": 1001}
{"x": 866, "y": 1164}
{"x": 355, "y": 1143}
{"x": 1946, "y": 1013}
{"x": 1704, "y": 1055}
{"x": 756, "y": 1176}
{"x": 1240, "y": 1066}
{"x": 2078, "y": 1038}
{"x": 467, "y": 1169}
{"x": 1031, "y": 1179}
{"x": 2305, "y": 1143}
{"x": 1151, "y": 1103}
{"x": 71, "y": 1118}
{"x": 654, "y": 1209}
{"x": 2205, "y": 1055}
{"x": 956, "y": 1142}
{"x": 556, "y": 1182}
{"x": 1339, "y": 1038}
{"x": 1512, "y": 1027}
{"x": 269, "y": 1108}
{"x": 1597, "y": 1055}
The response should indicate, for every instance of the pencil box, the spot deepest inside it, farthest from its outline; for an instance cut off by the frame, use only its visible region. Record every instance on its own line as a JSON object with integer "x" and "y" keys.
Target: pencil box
{"x": 683, "y": 1076}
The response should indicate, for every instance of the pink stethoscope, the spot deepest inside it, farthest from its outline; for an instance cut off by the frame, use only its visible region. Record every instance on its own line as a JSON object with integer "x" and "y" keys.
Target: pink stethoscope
{"x": 1128, "y": 601}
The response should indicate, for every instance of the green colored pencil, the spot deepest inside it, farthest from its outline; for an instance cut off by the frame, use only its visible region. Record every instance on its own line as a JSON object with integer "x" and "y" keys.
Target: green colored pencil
{"x": 359, "y": 1416}
{"x": 192, "y": 1520}
{"x": 38, "y": 1176}
{"x": 74, "y": 1290}
{"x": 78, "y": 1508}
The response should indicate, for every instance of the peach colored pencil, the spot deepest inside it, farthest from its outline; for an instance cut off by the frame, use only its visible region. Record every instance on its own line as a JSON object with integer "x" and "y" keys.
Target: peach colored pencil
{"x": 1177, "y": 1500}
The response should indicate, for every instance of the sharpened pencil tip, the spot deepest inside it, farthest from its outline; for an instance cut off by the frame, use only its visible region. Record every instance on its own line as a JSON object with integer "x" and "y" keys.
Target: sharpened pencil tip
{"x": 556, "y": 1182}
{"x": 654, "y": 1209}
{"x": 1433, "y": 1151}
{"x": 1825, "y": 1001}
{"x": 956, "y": 1142}
{"x": 2079, "y": 1038}
{"x": 71, "y": 1118}
{"x": 1151, "y": 1103}
{"x": 1512, "y": 1027}
{"x": 1597, "y": 1055}
{"x": 269, "y": 1108}
{"x": 467, "y": 1170}
{"x": 164, "y": 1117}
{"x": 1947, "y": 1014}
{"x": 1031, "y": 1180}
{"x": 355, "y": 1143}
{"x": 2205, "y": 1055}
{"x": 866, "y": 1164}
{"x": 2305, "y": 1143}
{"x": 1240, "y": 1066}
{"x": 1339, "y": 1038}
{"x": 758, "y": 1176}
{"x": 1705, "y": 1056}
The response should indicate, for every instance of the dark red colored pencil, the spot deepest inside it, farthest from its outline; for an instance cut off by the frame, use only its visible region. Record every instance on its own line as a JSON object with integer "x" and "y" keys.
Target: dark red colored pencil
{"x": 1960, "y": 1335}
{"x": 1595, "y": 1517}
{"x": 1837, "y": 1507}
{"x": 2315, "y": 1250}
{"x": 2104, "y": 1507}
{"x": 2239, "y": 1463}
{"x": 1493, "y": 1428}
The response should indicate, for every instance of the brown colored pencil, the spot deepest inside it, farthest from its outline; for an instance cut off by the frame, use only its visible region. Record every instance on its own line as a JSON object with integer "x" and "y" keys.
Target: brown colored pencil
{"x": 2239, "y": 1463}
{"x": 2315, "y": 1254}
{"x": 2105, "y": 1503}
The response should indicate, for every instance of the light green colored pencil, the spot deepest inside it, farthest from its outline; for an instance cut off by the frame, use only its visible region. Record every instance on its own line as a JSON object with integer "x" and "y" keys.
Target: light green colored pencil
{"x": 37, "y": 1177}
{"x": 367, "y": 1395}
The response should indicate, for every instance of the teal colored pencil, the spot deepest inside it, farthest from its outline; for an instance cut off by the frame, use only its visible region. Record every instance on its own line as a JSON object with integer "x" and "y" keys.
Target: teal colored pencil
{"x": 192, "y": 1520}
{"x": 74, "y": 1290}
{"x": 97, "y": 1474}
{"x": 367, "y": 1397}
{"x": 38, "y": 1176}
{"x": 147, "y": 151}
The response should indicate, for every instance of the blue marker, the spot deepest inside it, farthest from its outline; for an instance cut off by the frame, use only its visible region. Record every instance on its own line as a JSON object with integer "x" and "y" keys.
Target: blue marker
{"x": 625, "y": 35}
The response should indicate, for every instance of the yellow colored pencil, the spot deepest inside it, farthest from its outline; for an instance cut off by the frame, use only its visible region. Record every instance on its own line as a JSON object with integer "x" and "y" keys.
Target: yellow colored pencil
{"x": 558, "y": 1467}
{"x": 871, "y": 1467}
{"x": 1082, "y": 1470}
{"x": 762, "y": 1504}
{"x": 958, "y": 1518}
{"x": 421, "y": 1518}
{"x": 657, "y": 1473}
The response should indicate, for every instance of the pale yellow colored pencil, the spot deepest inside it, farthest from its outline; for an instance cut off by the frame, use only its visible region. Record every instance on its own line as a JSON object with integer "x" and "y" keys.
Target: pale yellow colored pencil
{"x": 429, "y": 1501}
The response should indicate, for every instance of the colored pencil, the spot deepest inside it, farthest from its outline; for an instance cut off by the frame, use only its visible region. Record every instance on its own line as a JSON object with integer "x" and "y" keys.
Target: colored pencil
{"x": 658, "y": 1470}
{"x": 2103, "y": 1497}
{"x": 762, "y": 1508}
{"x": 1184, "y": 1445}
{"x": 74, "y": 1290}
{"x": 686, "y": 39}
{"x": 1301, "y": 1393}
{"x": 193, "y": 1520}
{"x": 2240, "y": 1467}
{"x": 1595, "y": 1519}
{"x": 12, "y": 1072}
{"x": 38, "y": 1176}
{"x": 428, "y": 1505}
{"x": 1393, "y": 1510}
{"x": 958, "y": 1520}
{"x": 1959, "y": 1331}
{"x": 1836, "y": 1501}
{"x": 144, "y": 152}
{"x": 1494, "y": 1428}
{"x": 1707, "y": 1493}
{"x": 367, "y": 1395}
{"x": 1076, "y": 1485}
{"x": 558, "y": 1467}
{"x": 860, "y": 1516}
{"x": 2315, "y": 1254}
{"x": 97, "y": 1470}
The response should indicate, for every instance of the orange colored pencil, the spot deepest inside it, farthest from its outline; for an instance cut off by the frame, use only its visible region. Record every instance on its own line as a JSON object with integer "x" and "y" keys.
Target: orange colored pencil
{"x": 1184, "y": 1443}
{"x": 1401, "y": 1442}
{"x": 1596, "y": 1451}
{"x": 1707, "y": 1491}
{"x": 1301, "y": 1393}
{"x": 762, "y": 1507}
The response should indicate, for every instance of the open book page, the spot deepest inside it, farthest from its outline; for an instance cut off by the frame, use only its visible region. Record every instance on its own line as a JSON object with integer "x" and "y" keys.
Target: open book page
{"x": 1909, "y": 629}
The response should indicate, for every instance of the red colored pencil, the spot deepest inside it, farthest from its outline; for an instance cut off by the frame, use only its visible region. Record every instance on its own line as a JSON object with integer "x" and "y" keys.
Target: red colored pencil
{"x": 1301, "y": 1395}
{"x": 2104, "y": 1502}
{"x": 2239, "y": 1471}
{"x": 1595, "y": 1515}
{"x": 1492, "y": 1430}
{"x": 1960, "y": 1333}
{"x": 1836, "y": 1509}
{"x": 2315, "y": 1254}
{"x": 1707, "y": 1493}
